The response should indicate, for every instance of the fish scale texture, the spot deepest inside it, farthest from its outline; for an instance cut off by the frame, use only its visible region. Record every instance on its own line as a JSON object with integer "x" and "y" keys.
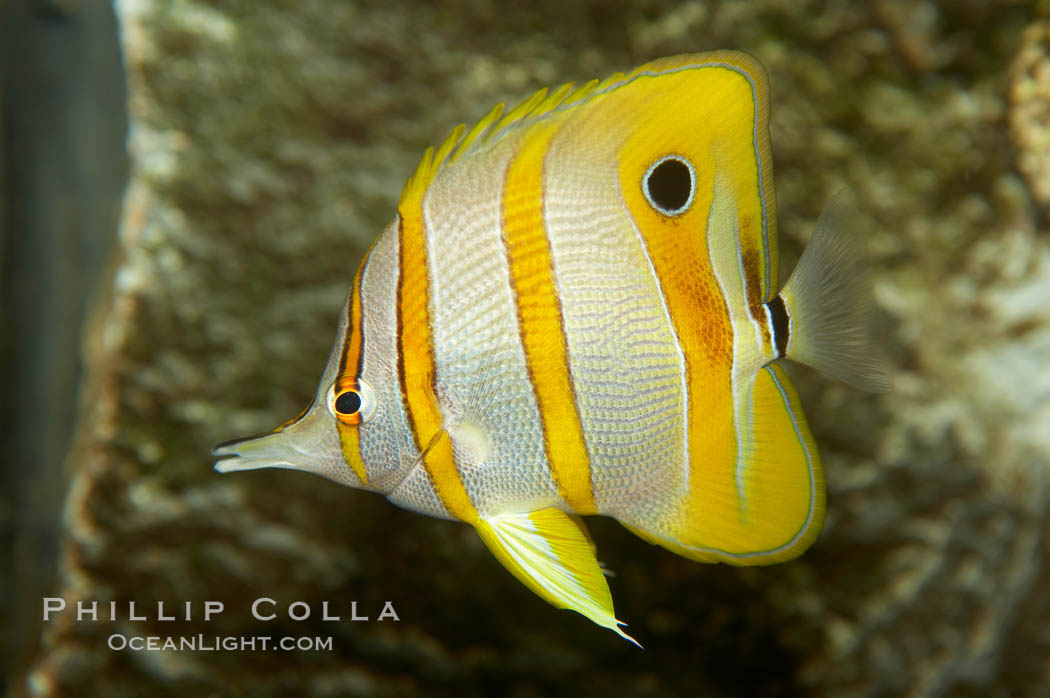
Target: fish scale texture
{"x": 622, "y": 349}
{"x": 269, "y": 145}
{"x": 476, "y": 346}
{"x": 378, "y": 445}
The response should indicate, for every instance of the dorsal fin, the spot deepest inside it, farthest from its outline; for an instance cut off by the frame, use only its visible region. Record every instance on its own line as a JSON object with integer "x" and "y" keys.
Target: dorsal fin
{"x": 489, "y": 128}
{"x": 543, "y": 103}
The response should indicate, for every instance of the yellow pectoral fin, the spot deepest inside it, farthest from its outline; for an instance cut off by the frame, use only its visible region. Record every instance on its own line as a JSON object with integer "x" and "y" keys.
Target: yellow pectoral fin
{"x": 551, "y": 553}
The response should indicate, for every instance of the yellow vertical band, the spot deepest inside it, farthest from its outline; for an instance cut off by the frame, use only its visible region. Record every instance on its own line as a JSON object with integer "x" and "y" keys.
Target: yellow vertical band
{"x": 717, "y": 140}
{"x": 416, "y": 358}
{"x": 349, "y": 368}
{"x": 540, "y": 321}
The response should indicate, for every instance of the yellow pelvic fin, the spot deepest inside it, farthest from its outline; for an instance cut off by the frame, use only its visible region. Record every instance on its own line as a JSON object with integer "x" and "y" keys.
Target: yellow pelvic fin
{"x": 551, "y": 553}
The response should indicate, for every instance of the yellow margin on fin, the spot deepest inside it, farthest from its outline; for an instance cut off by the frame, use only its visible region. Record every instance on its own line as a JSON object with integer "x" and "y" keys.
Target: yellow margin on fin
{"x": 551, "y": 553}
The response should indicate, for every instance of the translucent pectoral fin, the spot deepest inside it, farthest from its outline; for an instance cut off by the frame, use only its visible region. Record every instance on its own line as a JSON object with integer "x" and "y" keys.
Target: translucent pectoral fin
{"x": 552, "y": 554}
{"x": 830, "y": 303}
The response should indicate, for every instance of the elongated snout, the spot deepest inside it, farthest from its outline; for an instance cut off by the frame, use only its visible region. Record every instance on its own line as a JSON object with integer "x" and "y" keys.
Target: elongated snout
{"x": 310, "y": 443}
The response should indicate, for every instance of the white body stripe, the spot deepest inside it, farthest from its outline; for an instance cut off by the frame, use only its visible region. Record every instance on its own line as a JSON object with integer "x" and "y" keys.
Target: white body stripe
{"x": 726, "y": 262}
{"x": 686, "y": 459}
{"x": 482, "y": 378}
{"x": 723, "y": 242}
{"x": 624, "y": 357}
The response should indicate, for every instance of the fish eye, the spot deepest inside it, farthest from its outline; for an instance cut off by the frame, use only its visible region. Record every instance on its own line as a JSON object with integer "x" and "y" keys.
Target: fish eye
{"x": 352, "y": 404}
{"x": 348, "y": 403}
{"x": 669, "y": 185}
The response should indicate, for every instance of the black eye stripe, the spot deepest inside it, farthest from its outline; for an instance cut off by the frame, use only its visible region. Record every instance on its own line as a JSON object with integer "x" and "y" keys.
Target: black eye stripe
{"x": 348, "y": 402}
{"x": 669, "y": 185}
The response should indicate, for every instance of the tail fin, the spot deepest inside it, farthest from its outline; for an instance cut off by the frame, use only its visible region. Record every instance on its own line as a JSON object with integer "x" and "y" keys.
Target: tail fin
{"x": 828, "y": 303}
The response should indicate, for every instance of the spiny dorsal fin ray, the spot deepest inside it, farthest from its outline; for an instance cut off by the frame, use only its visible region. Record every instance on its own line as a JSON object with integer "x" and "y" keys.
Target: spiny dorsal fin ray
{"x": 490, "y": 127}
{"x": 479, "y": 128}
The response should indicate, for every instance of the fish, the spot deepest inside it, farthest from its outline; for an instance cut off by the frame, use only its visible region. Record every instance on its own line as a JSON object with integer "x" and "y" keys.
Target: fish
{"x": 576, "y": 311}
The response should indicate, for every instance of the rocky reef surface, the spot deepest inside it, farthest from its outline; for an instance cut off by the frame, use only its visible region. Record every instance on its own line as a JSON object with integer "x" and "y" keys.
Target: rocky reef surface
{"x": 269, "y": 142}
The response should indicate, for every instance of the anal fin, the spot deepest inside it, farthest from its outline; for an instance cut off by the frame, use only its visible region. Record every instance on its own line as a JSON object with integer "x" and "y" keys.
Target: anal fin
{"x": 551, "y": 553}
{"x": 770, "y": 506}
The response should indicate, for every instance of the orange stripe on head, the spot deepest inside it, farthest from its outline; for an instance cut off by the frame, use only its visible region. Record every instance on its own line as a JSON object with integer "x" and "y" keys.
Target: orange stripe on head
{"x": 349, "y": 370}
{"x": 415, "y": 358}
{"x": 540, "y": 321}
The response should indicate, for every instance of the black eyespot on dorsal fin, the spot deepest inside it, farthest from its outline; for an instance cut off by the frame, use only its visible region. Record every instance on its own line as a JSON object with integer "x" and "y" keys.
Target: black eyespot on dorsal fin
{"x": 669, "y": 185}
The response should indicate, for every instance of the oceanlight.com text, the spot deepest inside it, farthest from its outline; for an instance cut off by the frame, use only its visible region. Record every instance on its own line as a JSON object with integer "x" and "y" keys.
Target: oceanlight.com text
{"x": 218, "y": 643}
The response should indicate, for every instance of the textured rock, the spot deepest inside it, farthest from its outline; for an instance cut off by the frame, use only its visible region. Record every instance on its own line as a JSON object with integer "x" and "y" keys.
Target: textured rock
{"x": 1030, "y": 108}
{"x": 270, "y": 142}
